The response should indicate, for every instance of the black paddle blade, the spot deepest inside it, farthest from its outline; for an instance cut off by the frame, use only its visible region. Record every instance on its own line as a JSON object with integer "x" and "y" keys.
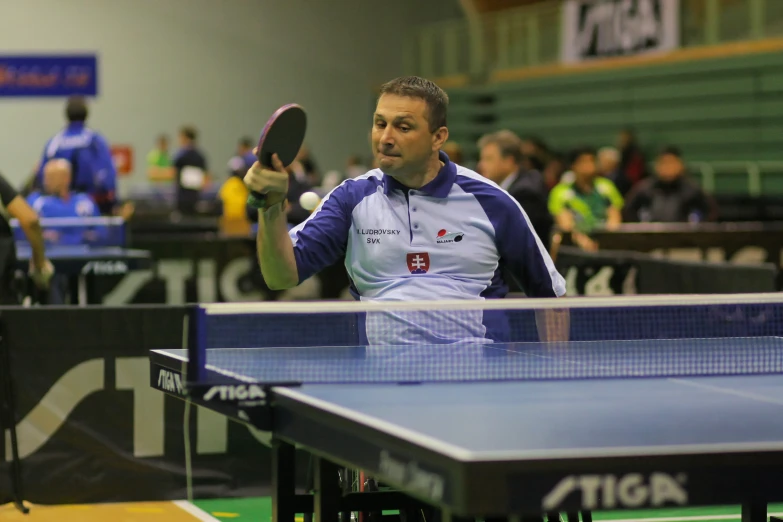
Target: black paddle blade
{"x": 283, "y": 135}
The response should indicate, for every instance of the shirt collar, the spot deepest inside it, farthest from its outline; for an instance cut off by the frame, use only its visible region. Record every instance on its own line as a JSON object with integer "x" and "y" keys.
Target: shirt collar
{"x": 510, "y": 179}
{"x": 439, "y": 187}
{"x": 75, "y": 126}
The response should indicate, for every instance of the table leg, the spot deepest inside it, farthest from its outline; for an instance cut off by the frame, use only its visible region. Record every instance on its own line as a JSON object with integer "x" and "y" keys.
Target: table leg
{"x": 82, "y": 290}
{"x": 754, "y": 511}
{"x": 327, "y": 491}
{"x": 283, "y": 481}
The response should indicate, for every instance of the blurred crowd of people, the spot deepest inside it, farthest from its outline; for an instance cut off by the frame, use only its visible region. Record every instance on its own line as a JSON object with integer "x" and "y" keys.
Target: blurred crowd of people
{"x": 590, "y": 188}
{"x": 576, "y": 192}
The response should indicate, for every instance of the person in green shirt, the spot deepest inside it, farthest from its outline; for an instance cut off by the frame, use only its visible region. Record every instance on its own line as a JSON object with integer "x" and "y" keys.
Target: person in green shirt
{"x": 159, "y": 161}
{"x": 585, "y": 202}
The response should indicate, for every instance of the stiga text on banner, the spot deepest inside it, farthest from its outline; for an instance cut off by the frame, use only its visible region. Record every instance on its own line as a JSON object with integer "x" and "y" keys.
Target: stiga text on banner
{"x": 595, "y": 29}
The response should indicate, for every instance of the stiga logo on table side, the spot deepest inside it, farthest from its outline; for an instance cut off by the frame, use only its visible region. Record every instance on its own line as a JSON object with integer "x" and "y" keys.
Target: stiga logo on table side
{"x": 236, "y": 392}
{"x": 411, "y": 476}
{"x": 170, "y": 382}
{"x": 633, "y": 490}
{"x": 444, "y": 236}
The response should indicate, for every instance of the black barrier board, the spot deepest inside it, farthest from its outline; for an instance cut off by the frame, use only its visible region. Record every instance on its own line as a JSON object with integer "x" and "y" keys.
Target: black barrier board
{"x": 91, "y": 429}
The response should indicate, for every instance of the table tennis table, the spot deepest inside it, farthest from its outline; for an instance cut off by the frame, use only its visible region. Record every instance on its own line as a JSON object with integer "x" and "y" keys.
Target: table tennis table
{"x": 507, "y": 429}
{"x": 101, "y": 250}
{"x": 84, "y": 261}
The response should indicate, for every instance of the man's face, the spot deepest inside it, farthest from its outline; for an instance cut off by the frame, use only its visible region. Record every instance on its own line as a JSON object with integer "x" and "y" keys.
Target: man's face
{"x": 607, "y": 163}
{"x": 56, "y": 178}
{"x": 584, "y": 167}
{"x": 668, "y": 167}
{"x": 401, "y": 139}
{"x": 493, "y": 165}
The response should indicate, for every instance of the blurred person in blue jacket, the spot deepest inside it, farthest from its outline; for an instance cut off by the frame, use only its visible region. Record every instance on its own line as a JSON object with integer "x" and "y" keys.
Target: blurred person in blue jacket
{"x": 89, "y": 155}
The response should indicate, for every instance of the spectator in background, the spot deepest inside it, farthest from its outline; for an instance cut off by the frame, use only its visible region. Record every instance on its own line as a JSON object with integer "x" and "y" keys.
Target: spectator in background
{"x": 670, "y": 196}
{"x": 502, "y": 162}
{"x": 189, "y": 171}
{"x": 537, "y": 151}
{"x": 355, "y": 167}
{"x": 158, "y": 160}
{"x": 233, "y": 193}
{"x": 57, "y": 200}
{"x": 305, "y": 164}
{"x": 609, "y": 163}
{"x": 454, "y": 152}
{"x": 89, "y": 155}
{"x": 633, "y": 167}
{"x": 587, "y": 202}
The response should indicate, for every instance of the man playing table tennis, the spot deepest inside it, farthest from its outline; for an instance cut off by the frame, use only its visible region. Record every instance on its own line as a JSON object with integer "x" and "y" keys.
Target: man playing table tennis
{"x": 419, "y": 227}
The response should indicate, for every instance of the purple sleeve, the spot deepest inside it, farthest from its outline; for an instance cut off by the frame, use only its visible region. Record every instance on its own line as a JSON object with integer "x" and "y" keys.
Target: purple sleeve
{"x": 518, "y": 245}
{"x": 321, "y": 240}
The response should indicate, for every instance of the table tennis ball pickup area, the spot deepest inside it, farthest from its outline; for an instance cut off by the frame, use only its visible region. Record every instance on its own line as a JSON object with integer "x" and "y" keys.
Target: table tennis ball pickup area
{"x": 652, "y": 402}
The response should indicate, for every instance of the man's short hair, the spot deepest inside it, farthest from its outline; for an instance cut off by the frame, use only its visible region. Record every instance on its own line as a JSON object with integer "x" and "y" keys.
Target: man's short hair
{"x": 76, "y": 109}
{"x": 416, "y": 87}
{"x": 670, "y": 150}
{"x": 507, "y": 143}
{"x": 59, "y": 163}
{"x": 579, "y": 152}
{"x": 246, "y": 142}
{"x": 609, "y": 152}
{"x": 189, "y": 132}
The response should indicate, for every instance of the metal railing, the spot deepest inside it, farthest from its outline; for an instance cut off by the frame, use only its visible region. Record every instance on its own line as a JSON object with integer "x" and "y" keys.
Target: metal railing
{"x": 530, "y": 36}
{"x": 754, "y": 170}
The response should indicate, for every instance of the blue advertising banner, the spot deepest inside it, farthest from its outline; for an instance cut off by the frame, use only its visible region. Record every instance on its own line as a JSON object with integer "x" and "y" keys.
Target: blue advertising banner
{"x": 48, "y": 75}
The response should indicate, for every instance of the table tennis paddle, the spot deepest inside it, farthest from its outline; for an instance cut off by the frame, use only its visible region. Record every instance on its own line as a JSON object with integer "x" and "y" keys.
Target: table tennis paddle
{"x": 283, "y": 135}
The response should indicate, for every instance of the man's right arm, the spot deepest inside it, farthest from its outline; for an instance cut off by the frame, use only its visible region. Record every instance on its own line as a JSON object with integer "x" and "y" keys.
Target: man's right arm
{"x": 275, "y": 248}
{"x": 288, "y": 257}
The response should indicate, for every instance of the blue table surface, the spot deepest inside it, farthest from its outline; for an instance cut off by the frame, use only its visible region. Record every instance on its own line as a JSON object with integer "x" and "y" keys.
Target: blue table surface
{"x": 587, "y": 418}
{"x": 543, "y": 418}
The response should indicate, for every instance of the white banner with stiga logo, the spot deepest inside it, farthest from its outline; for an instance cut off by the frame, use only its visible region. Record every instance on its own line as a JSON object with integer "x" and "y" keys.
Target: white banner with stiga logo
{"x": 595, "y": 29}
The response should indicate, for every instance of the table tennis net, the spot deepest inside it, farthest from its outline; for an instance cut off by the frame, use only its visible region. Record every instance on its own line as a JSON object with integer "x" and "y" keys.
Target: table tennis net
{"x": 77, "y": 231}
{"x": 616, "y": 337}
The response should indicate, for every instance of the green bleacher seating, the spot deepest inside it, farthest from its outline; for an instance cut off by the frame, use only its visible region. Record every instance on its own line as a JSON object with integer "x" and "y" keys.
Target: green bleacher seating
{"x": 716, "y": 110}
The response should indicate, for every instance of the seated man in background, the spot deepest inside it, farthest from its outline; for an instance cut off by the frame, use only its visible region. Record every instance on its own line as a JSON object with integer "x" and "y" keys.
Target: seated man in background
{"x": 58, "y": 201}
{"x": 587, "y": 202}
{"x": 502, "y": 162}
{"x": 669, "y": 196}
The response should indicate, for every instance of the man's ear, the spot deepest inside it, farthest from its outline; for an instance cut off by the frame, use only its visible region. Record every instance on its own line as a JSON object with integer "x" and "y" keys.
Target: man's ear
{"x": 440, "y": 137}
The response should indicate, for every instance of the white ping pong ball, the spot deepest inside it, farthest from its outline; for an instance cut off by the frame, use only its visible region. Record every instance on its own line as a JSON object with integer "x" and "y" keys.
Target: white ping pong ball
{"x": 309, "y": 200}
